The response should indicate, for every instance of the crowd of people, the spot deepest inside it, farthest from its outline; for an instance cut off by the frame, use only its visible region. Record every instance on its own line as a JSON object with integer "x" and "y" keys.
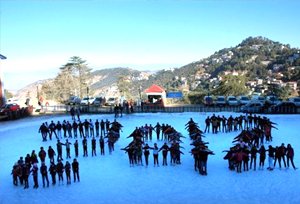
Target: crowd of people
{"x": 27, "y": 166}
{"x": 200, "y": 150}
{"x": 139, "y": 146}
{"x": 250, "y": 143}
{"x": 255, "y": 131}
{"x": 107, "y": 132}
{"x": 217, "y": 123}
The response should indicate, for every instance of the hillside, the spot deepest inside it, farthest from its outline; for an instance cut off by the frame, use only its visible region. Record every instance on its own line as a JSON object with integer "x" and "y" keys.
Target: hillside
{"x": 255, "y": 58}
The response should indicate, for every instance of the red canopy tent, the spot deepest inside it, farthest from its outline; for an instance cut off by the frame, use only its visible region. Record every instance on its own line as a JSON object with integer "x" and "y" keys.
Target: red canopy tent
{"x": 155, "y": 95}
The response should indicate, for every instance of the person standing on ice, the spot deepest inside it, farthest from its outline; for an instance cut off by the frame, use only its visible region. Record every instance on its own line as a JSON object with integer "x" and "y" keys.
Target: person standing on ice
{"x": 43, "y": 130}
{"x": 69, "y": 129}
{"x": 35, "y": 170}
{"x": 58, "y": 127}
{"x": 282, "y": 153}
{"x": 101, "y": 142}
{"x": 80, "y": 128}
{"x": 102, "y": 127}
{"x": 76, "y": 148}
{"x": 157, "y": 128}
{"x": 68, "y": 149}
{"x": 262, "y": 156}
{"x": 42, "y": 154}
{"x": 271, "y": 155}
{"x": 72, "y": 112}
{"x": 86, "y": 125}
{"x": 59, "y": 150}
{"x": 91, "y": 128}
{"x": 165, "y": 149}
{"x": 97, "y": 127}
{"x": 75, "y": 169}
{"x": 52, "y": 171}
{"x": 253, "y": 153}
{"x": 64, "y": 127}
{"x": 51, "y": 153}
{"x": 290, "y": 156}
{"x": 75, "y": 127}
{"x": 84, "y": 145}
{"x": 68, "y": 172}
{"x": 15, "y": 172}
{"x": 155, "y": 154}
{"x": 146, "y": 153}
{"x": 44, "y": 172}
{"x": 25, "y": 174}
{"x": 207, "y": 124}
{"x": 60, "y": 170}
{"x": 52, "y": 128}
{"x": 78, "y": 113}
{"x": 94, "y": 147}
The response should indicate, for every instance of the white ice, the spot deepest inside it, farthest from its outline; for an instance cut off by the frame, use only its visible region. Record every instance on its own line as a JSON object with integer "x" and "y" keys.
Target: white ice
{"x": 110, "y": 179}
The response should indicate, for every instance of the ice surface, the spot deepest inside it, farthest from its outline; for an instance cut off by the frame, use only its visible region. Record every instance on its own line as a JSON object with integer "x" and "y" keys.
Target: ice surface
{"x": 110, "y": 179}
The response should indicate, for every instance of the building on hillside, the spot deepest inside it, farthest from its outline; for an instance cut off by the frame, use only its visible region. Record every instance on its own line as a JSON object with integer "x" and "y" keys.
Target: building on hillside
{"x": 292, "y": 85}
{"x": 155, "y": 95}
{"x": 2, "y": 98}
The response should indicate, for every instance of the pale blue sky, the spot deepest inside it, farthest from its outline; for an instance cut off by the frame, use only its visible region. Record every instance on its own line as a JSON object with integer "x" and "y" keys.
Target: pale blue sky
{"x": 37, "y": 37}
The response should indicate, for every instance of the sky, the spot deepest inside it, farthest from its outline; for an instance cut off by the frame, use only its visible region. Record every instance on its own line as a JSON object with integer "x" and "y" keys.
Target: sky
{"x": 38, "y": 37}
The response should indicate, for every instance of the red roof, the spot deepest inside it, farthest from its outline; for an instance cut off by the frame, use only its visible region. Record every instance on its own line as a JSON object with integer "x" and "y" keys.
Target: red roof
{"x": 154, "y": 89}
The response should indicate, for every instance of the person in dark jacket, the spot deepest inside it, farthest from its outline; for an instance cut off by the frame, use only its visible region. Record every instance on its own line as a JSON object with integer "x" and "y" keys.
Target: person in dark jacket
{"x": 44, "y": 172}
{"x": 59, "y": 150}
{"x": 157, "y": 129}
{"x": 76, "y": 148}
{"x": 97, "y": 127}
{"x": 203, "y": 157}
{"x": 155, "y": 154}
{"x": 80, "y": 128}
{"x": 282, "y": 153}
{"x": 277, "y": 157}
{"x": 84, "y": 145}
{"x": 146, "y": 154}
{"x": 25, "y": 174}
{"x": 15, "y": 172}
{"x": 75, "y": 127}
{"x": 58, "y": 127}
{"x": 52, "y": 171}
{"x": 75, "y": 169}
{"x": 60, "y": 170}
{"x": 271, "y": 155}
{"x": 64, "y": 127}
{"x": 207, "y": 124}
{"x": 93, "y": 147}
{"x": 68, "y": 172}
{"x": 51, "y": 154}
{"x": 52, "y": 128}
{"x": 33, "y": 157}
{"x": 290, "y": 156}
{"x": 102, "y": 127}
{"x": 253, "y": 153}
{"x": 42, "y": 154}
{"x": 262, "y": 156}
{"x": 101, "y": 142}
{"x": 86, "y": 125}
{"x": 35, "y": 170}
{"x": 165, "y": 149}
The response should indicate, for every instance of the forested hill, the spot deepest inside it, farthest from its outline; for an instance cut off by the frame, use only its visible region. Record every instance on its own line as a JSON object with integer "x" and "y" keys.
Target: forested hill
{"x": 255, "y": 57}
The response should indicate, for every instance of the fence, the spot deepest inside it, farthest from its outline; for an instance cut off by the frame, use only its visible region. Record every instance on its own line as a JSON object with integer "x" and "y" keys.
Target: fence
{"x": 167, "y": 109}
